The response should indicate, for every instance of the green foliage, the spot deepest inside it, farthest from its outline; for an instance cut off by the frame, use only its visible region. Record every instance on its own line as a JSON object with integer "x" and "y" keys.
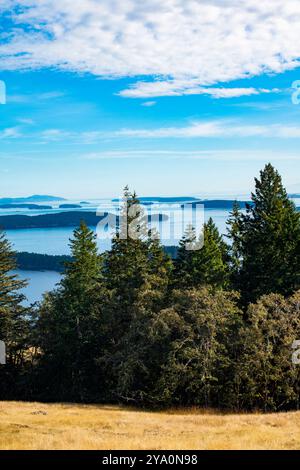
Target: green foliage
{"x": 14, "y": 321}
{"x": 136, "y": 273}
{"x": 200, "y": 328}
{"x": 198, "y": 265}
{"x": 69, "y": 323}
{"x": 266, "y": 240}
{"x": 269, "y": 379}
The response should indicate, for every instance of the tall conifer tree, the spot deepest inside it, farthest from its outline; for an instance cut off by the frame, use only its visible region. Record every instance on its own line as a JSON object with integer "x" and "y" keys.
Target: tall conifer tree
{"x": 70, "y": 320}
{"x": 14, "y": 319}
{"x": 267, "y": 239}
{"x": 196, "y": 266}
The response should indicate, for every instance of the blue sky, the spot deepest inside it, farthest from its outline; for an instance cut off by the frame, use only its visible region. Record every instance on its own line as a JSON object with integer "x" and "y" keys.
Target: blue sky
{"x": 98, "y": 99}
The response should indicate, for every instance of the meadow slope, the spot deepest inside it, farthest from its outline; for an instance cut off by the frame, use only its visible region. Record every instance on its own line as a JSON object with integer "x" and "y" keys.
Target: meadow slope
{"x": 67, "y": 426}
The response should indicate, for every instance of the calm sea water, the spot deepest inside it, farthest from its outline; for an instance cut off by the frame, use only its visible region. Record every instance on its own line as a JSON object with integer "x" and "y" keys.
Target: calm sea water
{"x": 38, "y": 283}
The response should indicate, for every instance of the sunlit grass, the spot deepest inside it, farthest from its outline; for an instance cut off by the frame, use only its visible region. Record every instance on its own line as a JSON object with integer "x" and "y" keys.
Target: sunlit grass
{"x": 65, "y": 426}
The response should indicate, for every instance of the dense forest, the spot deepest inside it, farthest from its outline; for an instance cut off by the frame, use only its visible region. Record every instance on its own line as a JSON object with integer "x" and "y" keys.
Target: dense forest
{"x": 212, "y": 328}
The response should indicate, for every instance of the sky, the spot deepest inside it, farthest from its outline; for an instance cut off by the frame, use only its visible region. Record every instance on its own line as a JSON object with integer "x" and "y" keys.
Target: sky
{"x": 181, "y": 97}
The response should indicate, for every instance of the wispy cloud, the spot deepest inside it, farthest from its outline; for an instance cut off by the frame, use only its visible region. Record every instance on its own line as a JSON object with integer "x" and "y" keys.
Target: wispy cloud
{"x": 10, "y": 133}
{"x": 218, "y": 155}
{"x": 34, "y": 97}
{"x": 200, "y": 43}
{"x": 187, "y": 87}
{"x": 149, "y": 104}
{"x": 209, "y": 129}
{"x": 26, "y": 121}
{"x": 218, "y": 129}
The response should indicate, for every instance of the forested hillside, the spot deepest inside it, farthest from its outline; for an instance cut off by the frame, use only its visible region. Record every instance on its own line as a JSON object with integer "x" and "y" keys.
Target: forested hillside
{"x": 214, "y": 327}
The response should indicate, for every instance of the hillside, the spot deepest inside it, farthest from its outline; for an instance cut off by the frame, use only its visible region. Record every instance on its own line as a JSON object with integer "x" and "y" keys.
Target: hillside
{"x": 64, "y": 426}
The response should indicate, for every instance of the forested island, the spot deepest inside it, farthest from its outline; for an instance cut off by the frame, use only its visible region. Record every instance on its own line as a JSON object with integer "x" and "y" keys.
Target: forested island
{"x": 162, "y": 199}
{"x": 36, "y": 198}
{"x": 42, "y": 262}
{"x": 218, "y": 203}
{"x": 69, "y": 206}
{"x": 25, "y": 206}
{"x": 62, "y": 219}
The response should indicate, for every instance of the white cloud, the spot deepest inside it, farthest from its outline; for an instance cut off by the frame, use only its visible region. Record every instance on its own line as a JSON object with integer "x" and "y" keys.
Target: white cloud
{"x": 219, "y": 155}
{"x": 10, "y": 133}
{"x": 211, "y": 129}
{"x": 34, "y": 98}
{"x": 149, "y": 104}
{"x": 195, "y": 130}
{"x": 187, "y": 87}
{"x": 26, "y": 121}
{"x": 197, "y": 43}
{"x": 54, "y": 135}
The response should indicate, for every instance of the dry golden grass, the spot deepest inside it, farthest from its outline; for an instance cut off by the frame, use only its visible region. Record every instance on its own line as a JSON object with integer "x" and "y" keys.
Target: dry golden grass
{"x": 66, "y": 426}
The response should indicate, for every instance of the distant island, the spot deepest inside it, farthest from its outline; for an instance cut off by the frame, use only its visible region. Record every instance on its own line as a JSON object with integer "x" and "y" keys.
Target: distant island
{"x": 84, "y": 203}
{"x": 40, "y": 262}
{"x": 61, "y": 219}
{"x": 35, "y": 198}
{"x": 218, "y": 203}
{"x": 162, "y": 199}
{"x": 24, "y": 206}
{"x": 69, "y": 206}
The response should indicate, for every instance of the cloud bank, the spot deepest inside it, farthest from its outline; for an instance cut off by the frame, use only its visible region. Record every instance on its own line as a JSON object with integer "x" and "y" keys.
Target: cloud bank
{"x": 186, "y": 47}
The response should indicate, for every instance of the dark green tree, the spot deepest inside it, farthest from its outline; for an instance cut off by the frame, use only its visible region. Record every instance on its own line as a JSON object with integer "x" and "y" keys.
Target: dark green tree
{"x": 235, "y": 234}
{"x": 70, "y": 319}
{"x": 137, "y": 273}
{"x": 266, "y": 240}
{"x": 14, "y": 322}
{"x": 197, "y": 337}
{"x": 206, "y": 265}
{"x": 269, "y": 380}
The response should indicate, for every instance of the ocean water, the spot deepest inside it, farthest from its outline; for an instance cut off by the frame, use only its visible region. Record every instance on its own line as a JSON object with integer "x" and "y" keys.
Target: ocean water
{"x": 38, "y": 283}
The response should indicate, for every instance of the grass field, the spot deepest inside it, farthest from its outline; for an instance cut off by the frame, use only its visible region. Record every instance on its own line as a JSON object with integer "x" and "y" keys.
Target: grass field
{"x": 64, "y": 426}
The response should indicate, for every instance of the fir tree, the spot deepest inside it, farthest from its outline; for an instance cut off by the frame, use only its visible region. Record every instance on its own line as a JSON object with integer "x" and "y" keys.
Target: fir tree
{"x": 137, "y": 274}
{"x": 234, "y": 233}
{"x": 268, "y": 240}
{"x": 14, "y": 320}
{"x": 196, "y": 266}
{"x": 269, "y": 379}
{"x": 70, "y": 320}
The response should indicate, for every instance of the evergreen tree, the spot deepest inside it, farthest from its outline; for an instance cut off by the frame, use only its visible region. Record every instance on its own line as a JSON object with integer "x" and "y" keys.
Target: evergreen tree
{"x": 269, "y": 379}
{"x": 268, "y": 240}
{"x": 137, "y": 272}
{"x": 70, "y": 321}
{"x": 234, "y": 233}
{"x": 197, "y": 338}
{"x": 196, "y": 266}
{"x": 14, "y": 321}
